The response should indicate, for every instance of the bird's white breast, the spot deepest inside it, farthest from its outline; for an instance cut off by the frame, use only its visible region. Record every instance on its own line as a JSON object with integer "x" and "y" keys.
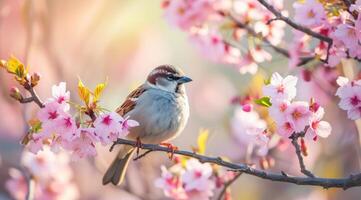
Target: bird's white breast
{"x": 161, "y": 114}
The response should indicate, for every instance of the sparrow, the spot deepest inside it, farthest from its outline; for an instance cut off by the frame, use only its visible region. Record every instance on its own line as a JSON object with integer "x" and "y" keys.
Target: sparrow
{"x": 160, "y": 105}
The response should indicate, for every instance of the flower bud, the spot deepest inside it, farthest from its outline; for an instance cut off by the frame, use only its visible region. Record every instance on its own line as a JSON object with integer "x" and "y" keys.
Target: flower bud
{"x": 2, "y": 63}
{"x": 15, "y": 93}
{"x": 303, "y": 147}
{"x": 35, "y": 78}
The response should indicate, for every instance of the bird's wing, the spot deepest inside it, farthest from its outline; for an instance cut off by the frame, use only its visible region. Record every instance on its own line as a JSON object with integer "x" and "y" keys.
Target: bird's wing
{"x": 131, "y": 100}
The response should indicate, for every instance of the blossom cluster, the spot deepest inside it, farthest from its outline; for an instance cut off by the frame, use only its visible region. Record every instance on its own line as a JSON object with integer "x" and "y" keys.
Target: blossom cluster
{"x": 191, "y": 180}
{"x": 250, "y": 130}
{"x": 208, "y": 21}
{"x": 350, "y": 94}
{"x": 294, "y": 116}
{"x": 339, "y": 22}
{"x": 52, "y": 175}
{"x": 57, "y": 128}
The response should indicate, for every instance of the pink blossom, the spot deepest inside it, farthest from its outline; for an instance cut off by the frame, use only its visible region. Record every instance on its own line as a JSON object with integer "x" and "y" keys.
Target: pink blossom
{"x": 350, "y": 94}
{"x": 83, "y": 145}
{"x": 260, "y": 55}
{"x": 309, "y": 13}
{"x": 336, "y": 54}
{"x": 60, "y": 95}
{"x": 248, "y": 129}
{"x": 280, "y": 88}
{"x": 66, "y": 127}
{"x": 348, "y": 35}
{"x": 16, "y": 185}
{"x": 285, "y": 129}
{"x": 51, "y": 172}
{"x": 278, "y": 111}
{"x": 356, "y": 6}
{"x": 318, "y": 127}
{"x": 170, "y": 182}
{"x": 299, "y": 115}
{"x": 211, "y": 45}
{"x": 108, "y": 127}
{"x": 197, "y": 180}
{"x": 187, "y": 14}
{"x": 247, "y": 64}
{"x": 50, "y": 112}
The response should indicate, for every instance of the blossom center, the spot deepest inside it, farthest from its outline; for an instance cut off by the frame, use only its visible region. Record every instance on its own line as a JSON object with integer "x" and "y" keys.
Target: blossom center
{"x": 296, "y": 115}
{"x": 354, "y": 100}
{"x": 197, "y": 174}
{"x": 311, "y": 14}
{"x": 61, "y": 99}
{"x": 68, "y": 122}
{"x": 53, "y": 114}
{"x": 107, "y": 120}
{"x": 281, "y": 89}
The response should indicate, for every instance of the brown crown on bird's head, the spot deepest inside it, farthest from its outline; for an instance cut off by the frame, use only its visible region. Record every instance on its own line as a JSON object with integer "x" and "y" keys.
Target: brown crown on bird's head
{"x": 163, "y": 71}
{"x": 167, "y": 71}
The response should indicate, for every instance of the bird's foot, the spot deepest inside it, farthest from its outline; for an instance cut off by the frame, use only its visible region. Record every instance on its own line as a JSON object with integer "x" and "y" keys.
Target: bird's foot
{"x": 138, "y": 145}
{"x": 171, "y": 147}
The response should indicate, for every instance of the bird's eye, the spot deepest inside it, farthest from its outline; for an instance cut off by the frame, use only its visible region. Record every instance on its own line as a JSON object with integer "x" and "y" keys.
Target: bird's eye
{"x": 170, "y": 78}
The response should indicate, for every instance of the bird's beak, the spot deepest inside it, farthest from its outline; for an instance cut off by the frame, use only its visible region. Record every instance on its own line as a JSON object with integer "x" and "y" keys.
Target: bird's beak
{"x": 184, "y": 79}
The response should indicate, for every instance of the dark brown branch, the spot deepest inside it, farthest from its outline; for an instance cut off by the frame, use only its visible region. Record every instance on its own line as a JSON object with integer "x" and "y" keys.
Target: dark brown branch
{"x": 298, "y": 27}
{"x": 278, "y": 49}
{"x": 33, "y": 98}
{"x": 294, "y": 139}
{"x": 294, "y": 25}
{"x": 344, "y": 183}
{"x": 253, "y": 33}
{"x": 227, "y": 185}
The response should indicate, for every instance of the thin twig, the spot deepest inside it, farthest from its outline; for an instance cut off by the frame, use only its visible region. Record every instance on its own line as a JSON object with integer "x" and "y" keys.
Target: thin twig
{"x": 33, "y": 98}
{"x": 227, "y": 185}
{"x": 344, "y": 183}
{"x": 280, "y": 50}
{"x": 306, "y": 172}
{"x": 142, "y": 155}
{"x": 296, "y": 26}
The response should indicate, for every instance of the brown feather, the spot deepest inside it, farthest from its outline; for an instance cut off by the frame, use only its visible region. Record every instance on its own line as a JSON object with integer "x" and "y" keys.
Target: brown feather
{"x": 130, "y": 102}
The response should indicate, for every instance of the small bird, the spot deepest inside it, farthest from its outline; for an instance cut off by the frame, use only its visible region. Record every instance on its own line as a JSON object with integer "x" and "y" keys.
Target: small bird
{"x": 160, "y": 105}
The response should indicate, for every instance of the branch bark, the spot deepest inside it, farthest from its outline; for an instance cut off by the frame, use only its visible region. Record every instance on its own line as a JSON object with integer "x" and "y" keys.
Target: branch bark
{"x": 344, "y": 183}
{"x": 280, "y": 50}
{"x": 294, "y": 142}
{"x": 33, "y": 98}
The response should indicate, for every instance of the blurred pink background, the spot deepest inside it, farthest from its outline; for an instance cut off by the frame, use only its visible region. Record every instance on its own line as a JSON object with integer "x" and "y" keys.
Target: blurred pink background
{"x": 122, "y": 41}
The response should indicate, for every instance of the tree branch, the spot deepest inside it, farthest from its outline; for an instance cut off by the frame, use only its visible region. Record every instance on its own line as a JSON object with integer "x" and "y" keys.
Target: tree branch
{"x": 298, "y": 27}
{"x": 294, "y": 25}
{"x": 344, "y": 183}
{"x": 294, "y": 139}
{"x": 282, "y": 51}
{"x": 227, "y": 185}
{"x": 33, "y": 98}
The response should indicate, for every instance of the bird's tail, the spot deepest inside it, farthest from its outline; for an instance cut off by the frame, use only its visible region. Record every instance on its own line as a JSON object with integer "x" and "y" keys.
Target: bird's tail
{"x": 116, "y": 171}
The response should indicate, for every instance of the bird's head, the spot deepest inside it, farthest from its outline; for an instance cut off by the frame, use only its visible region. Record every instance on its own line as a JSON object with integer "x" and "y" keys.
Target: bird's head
{"x": 168, "y": 78}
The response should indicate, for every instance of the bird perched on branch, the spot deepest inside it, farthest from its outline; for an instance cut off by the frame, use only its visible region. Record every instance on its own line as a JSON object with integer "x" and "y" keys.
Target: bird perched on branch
{"x": 160, "y": 105}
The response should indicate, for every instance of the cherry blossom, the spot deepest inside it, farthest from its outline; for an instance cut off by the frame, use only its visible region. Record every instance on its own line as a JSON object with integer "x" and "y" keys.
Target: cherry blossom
{"x": 186, "y": 14}
{"x": 60, "y": 94}
{"x": 309, "y": 13}
{"x": 52, "y": 173}
{"x": 350, "y": 94}
{"x": 318, "y": 127}
{"x": 171, "y": 183}
{"x": 298, "y": 114}
{"x": 108, "y": 127}
{"x": 196, "y": 179}
{"x": 248, "y": 128}
{"x": 281, "y": 88}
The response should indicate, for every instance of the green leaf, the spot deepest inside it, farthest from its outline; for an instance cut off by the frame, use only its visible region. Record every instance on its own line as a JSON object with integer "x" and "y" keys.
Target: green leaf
{"x": 264, "y": 101}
